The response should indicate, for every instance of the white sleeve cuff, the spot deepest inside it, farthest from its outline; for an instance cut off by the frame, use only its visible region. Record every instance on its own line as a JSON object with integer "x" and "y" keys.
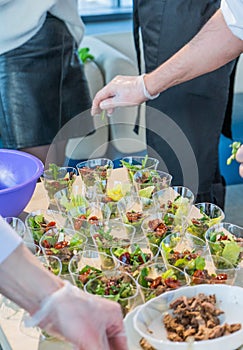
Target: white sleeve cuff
{"x": 233, "y": 14}
{"x": 9, "y": 240}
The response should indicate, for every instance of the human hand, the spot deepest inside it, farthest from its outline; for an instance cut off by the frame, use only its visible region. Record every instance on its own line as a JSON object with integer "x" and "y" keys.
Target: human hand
{"x": 120, "y": 92}
{"x": 239, "y": 158}
{"x": 86, "y": 321}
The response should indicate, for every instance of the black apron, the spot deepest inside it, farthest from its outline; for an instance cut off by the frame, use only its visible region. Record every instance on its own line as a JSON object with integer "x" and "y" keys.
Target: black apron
{"x": 198, "y": 106}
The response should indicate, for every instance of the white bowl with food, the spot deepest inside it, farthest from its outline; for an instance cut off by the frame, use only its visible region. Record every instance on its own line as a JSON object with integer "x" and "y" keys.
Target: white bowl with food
{"x": 193, "y": 318}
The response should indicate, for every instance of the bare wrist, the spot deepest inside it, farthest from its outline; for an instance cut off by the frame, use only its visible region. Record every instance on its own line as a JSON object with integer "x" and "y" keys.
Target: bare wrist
{"x": 146, "y": 91}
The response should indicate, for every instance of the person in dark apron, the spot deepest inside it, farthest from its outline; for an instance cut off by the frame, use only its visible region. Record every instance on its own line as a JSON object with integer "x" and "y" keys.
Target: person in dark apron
{"x": 198, "y": 106}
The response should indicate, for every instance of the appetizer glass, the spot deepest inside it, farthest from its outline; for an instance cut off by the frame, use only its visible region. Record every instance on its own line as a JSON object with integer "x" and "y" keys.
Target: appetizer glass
{"x": 132, "y": 258}
{"x": 183, "y": 250}
{"x": 202, "y": 217}
{"x": 117, "y": 286}
{"x": 132, "y": 212}
{"x": 34, "y": 248}
{"x": 64, "y": 244}
{"x": 155, "y": 230}
{"x": 149, "y": 181}
{"x": 67, "y": 200}
{"x": 226, "y": 240}
{"x": 82, "y": 218}
{"x": 89, "y": 264}
{"x": 157, "y": 278}
{"x": 56, "y": 178}
{"x": 40, "y": 221}
{"x": 217, "y": 270}
{"x": 135, "y": 163}
{"x": 52, "y": 263}
{"x": 95, "y": 173}
{"x": 113, "y": 234}
{"x": 174, "y": 203}
{"x": 17, "y": 224}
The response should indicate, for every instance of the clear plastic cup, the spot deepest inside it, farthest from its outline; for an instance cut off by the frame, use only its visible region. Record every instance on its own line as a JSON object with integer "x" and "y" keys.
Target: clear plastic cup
{"x": 202, "y": 217}
{"x": 95, "y": 173}
{"x": 64, "y": 244}
{"x": 135, "y": 163}
{"x": 17, "y": 224}
{"x": 89, "y": 264}
{"x": 112, "y": 234}
{"x": 124, "y": 289}
{"x": 157, "y": 278}
{"x": 226, "y": 240}
{"x": 57, "y": 178}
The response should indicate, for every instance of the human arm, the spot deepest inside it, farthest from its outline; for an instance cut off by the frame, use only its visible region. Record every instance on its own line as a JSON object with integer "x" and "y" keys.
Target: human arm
{"x": 212, "y": 47}
{"x": 239, "y": 158}
{"x": 93, "y": 323}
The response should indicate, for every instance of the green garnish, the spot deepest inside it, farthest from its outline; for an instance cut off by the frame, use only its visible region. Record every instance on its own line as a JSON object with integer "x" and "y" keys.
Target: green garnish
{"x": 235, "y": 146}
{"x": 85, "y": 55}
{"x": 103, "y": 113}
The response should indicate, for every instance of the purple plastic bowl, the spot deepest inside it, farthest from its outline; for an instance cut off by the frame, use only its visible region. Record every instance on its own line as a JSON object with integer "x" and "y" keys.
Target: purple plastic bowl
{"x": 19, "y": 172}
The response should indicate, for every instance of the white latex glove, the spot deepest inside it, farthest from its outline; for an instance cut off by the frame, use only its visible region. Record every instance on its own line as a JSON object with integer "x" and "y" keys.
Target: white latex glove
{"x": 86, "y": 321}
{"x": 122, "y": 91}
{"x": 239, "y": 158}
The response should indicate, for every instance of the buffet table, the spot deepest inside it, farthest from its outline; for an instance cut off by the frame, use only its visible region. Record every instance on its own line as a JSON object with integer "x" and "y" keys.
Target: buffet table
{"x": 12, "y": 338}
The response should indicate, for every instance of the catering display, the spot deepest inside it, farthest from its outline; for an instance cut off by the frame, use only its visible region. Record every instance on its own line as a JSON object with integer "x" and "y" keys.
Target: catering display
{"x": 127, "y": 235}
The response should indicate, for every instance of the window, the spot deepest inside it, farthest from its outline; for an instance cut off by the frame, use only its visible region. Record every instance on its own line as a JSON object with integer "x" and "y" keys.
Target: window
{"x": 104, "y": 8}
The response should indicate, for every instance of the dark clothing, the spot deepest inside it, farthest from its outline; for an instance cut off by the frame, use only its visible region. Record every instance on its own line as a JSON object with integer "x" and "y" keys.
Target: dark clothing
{"x": 42, "y": 86}
{"x": 197, "y": 106}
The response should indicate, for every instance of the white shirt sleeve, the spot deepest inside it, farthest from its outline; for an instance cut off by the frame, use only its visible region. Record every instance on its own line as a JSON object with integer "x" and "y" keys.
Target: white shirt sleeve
{"x": 233, "y": 14}
{"x": 9, "y": 240}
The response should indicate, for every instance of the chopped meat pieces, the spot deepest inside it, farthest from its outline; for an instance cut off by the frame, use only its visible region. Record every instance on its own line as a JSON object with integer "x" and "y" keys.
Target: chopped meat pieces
{"x": 197, "y": 318}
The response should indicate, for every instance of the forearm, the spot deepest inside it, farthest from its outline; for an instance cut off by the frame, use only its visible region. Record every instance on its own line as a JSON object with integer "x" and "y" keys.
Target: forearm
{"x": 211, "y": 48}
{"x": 26, "y": 281}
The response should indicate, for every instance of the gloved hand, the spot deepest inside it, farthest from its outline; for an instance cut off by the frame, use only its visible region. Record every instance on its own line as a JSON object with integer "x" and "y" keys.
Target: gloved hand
{"x": 239, "y": 158}
{"x": 120, "y": 92}
{"x": 86, "y": 321}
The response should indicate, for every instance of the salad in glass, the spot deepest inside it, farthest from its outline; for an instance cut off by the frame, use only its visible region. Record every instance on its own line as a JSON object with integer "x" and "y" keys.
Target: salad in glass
{"x": 118, "y": 286}
{"x": 208, "y": 215}
{"x": 226, "y": 240}
{"x": 89, "y": 264}
{"x": 63, "y": 243}
{"x": 55, "y": 178}
{"x": 157, "y": 278}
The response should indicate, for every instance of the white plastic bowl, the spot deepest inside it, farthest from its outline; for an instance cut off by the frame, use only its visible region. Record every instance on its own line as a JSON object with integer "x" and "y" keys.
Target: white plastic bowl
{"x": 148, "y": 320}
